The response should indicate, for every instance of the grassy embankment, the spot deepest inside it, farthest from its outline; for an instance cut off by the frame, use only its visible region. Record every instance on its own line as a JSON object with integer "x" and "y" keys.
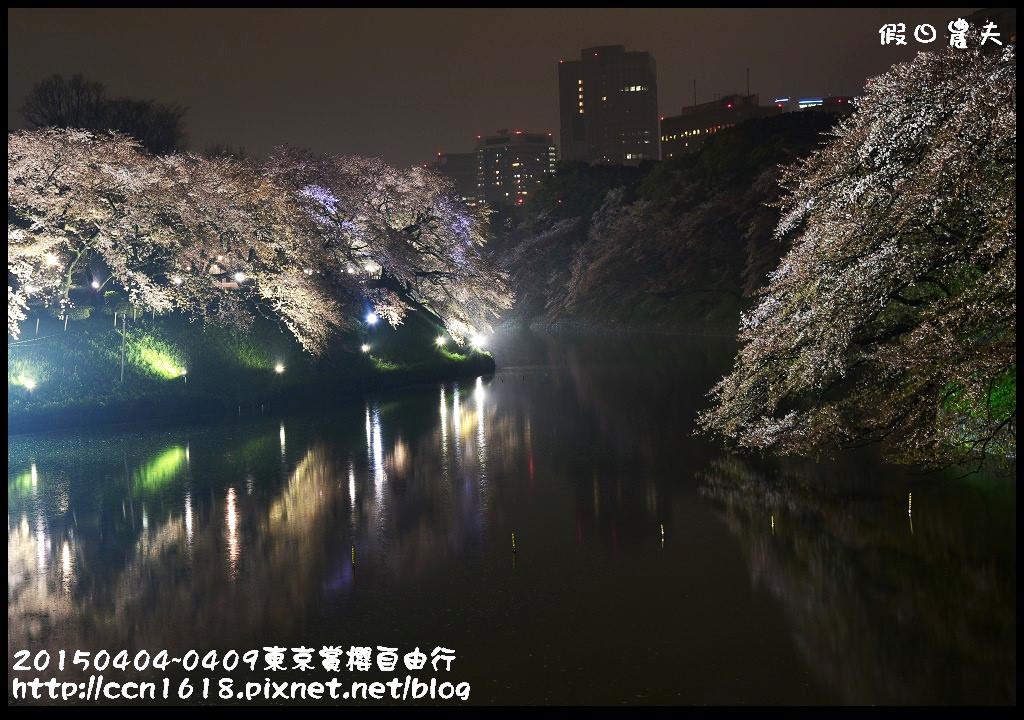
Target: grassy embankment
{"x": 174, "y": 368}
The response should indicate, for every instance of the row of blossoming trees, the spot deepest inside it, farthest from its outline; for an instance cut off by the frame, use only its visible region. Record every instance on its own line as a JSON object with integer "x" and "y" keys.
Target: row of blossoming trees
{"x": 309, "y": 240}
{"x": 893, "y": 316}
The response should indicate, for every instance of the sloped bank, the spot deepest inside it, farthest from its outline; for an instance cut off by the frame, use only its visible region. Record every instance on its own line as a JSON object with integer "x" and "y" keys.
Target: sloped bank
{"x": 176, "y": 370}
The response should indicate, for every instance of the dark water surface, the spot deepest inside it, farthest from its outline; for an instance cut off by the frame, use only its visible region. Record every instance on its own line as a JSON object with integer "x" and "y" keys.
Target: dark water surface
{"x": 649, "y": 566}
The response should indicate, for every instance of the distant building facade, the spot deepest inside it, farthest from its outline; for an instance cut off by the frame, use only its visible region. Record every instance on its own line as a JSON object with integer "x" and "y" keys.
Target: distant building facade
{"x": 686, "y": 132}
{"x": 461, "y": 168}
{"x": 509, "y": 165}
{"x": 608, "y": 106}
{"x": 832, "y": 104}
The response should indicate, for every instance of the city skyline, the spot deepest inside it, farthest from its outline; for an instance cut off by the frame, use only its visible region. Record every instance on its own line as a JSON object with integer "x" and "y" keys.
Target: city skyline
{"x": 350, "y": 81}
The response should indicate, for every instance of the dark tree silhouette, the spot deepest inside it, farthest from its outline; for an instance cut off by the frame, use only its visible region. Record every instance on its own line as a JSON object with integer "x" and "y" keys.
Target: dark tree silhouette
{"x": 83, "y": 104}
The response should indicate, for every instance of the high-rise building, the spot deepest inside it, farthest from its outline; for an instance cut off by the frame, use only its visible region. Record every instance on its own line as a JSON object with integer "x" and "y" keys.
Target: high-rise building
{"x": 510, "y": 165}
{"x": 461, "y": 168}
{"x": 608, "y": 106}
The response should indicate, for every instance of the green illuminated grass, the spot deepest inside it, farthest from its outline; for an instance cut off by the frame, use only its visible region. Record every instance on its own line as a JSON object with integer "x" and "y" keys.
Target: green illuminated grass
{"x": 154, "y": 356}
{"x": 78, "y": 371}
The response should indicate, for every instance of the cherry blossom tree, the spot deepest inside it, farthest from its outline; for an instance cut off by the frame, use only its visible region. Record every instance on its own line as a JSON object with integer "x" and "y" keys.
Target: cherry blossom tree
{"x": 208, "y": 236}
{"x": 893, "y": 316}
{"x": 303, "y": 239}
{"x": 395, "y": 237}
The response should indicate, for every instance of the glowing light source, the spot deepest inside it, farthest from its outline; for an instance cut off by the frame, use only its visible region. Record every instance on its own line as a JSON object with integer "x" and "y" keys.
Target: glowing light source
{"x": 477, "y": 341}
{"x": 439, "y": 340}
{"x": 365, "y": 348}
{"x": 51, "y": 259}
{"x": 29, "y": 383}
{"x": 279, "y": 368}
{"x": 371, "y": 318}
{"x": 239, "y": 277}
{"x": 176, "y": 280}
{"x": 95, "y": 284}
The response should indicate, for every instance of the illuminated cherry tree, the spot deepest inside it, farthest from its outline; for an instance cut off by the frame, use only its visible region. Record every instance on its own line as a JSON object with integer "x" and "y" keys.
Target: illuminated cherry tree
{"x": 395, "y": 237}
{"x": 72, "y": 196}
{"x": 211, "y": 237}
{"x": 893, "y": 316}
{"x": 303, "y": 239}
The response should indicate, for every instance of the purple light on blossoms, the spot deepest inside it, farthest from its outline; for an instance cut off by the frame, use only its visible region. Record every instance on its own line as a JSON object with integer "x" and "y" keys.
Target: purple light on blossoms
{"x": 324, "y": 198}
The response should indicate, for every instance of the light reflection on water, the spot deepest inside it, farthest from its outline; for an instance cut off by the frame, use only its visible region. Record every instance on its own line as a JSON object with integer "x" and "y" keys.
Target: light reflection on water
{"x": 642, "y": 554}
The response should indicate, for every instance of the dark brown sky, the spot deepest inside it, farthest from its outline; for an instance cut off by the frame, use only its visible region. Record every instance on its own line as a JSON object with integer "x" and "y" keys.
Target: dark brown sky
{"x": 405, "y": 83}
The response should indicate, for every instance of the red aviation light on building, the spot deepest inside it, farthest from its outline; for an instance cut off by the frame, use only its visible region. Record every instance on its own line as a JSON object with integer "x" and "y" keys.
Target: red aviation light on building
{"x": 840, "y": 99}
{"x": 780, "y": 104}
{"x": 729, "y": 105}
{"x": 519, "y": 201}
{"x": 477, "y": 137}
{"x": 519, "y": 132}
{"x": 595, "y": 54}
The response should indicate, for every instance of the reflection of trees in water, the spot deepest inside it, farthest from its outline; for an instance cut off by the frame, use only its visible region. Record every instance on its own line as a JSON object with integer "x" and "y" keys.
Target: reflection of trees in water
{"x": 630, "y": 400}
{"x": 215, "y": 567}
{"x": 238, "y": 560}
{"x": 887, "y": 606}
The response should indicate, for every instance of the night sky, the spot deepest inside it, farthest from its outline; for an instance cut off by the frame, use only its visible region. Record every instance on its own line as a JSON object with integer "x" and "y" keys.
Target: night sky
{"x": 404, "y": 84}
